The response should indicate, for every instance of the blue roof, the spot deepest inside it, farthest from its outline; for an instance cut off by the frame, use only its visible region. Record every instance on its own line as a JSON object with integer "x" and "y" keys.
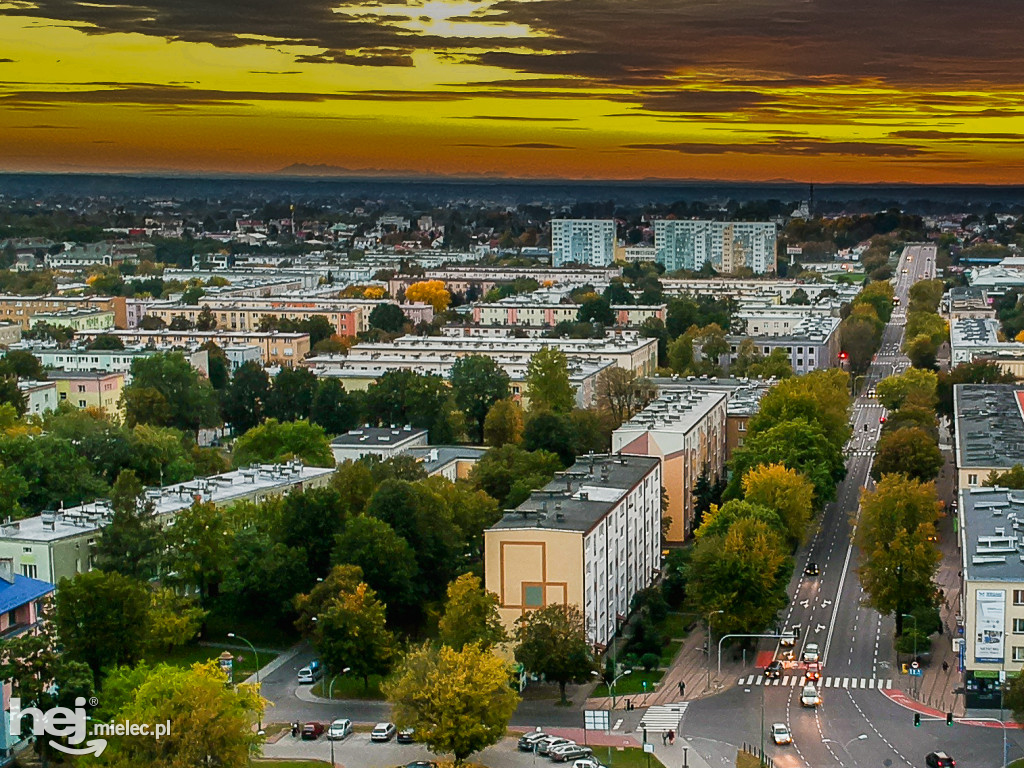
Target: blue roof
{"x": 23, "y": 590}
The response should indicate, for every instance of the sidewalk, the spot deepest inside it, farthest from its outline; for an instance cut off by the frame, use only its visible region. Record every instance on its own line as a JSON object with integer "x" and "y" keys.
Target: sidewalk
{"x": 276, "y": 664}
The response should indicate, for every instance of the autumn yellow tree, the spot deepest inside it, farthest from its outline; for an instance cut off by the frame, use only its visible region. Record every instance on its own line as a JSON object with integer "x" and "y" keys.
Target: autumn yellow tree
{"x": 785, "y": 491}
{"x": 432, "y": 292}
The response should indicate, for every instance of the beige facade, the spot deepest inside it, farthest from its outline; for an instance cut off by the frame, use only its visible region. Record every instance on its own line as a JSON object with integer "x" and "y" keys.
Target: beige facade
{"x": 21, "y": 309}
{"x": 246, "y": 315}
{"x": 276, "y": 348}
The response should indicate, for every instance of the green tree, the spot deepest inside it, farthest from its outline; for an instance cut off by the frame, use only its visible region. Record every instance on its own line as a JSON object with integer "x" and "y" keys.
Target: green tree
{"x": 821, "y": 397}
{"x": 218, "y": 367}
{"x": 894, "y": 391}
{"x": 385, "y": 558}
{"x": 618, "y": 294}
{"x": 459, "y": 700}
{"x": 552, "y": 641}
{"x": 713, "y": 344}
{"x": 420, "y": 400}
{"x": 787, "y": 492}
{"x": 339, "y": 580}
{"x": 211, "y": 723}
{"x": 680, "y": 353}
{"x": 273, "y": 441}
{"x": 334, "y": 409}
{"x": 206, "y": 320}
{"x": 596, "y": 309}
{"x": 478, "y": 382}
{"x": 509, "y": 473}
{"x": 718, "y": 521}
{"x": 1012, "y": 478}
{"x": 743, "y": 573}
{"x": 133, "y": 542}
{"x": 263, "y": 575}
{"x": 351, "y": 632}
{"x": 470, "y": 615}
{"x": 174, "y": 619}
{"x": 776, "y": 365}
{"x": 11, "y": 394}
{"x": 622, "y": 394}
{"x": 388, "y": 317}
{"x": 547, "y": 382}
{"x": 102, "y": 619}
{"x": 551, "y": 432}
{"x": 895, "y": 535}
{"x": 879, "y": 296}
{"x": 859, "y": 337}
{"x": 168, "y": 392}
{"x": 291, "y": 396}
{"x": 22, "y": 364}
{"x": 199, "y": 547}
{"x": 504, "y": 423}
{"x": 911, "y": 451}
{"x": 245, "y": 400}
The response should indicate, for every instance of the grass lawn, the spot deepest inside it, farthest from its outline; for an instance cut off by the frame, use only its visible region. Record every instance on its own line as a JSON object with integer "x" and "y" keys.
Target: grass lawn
{"x": 631, "y": 757}
{"x": 632, "y": 683}
{"x": 675, "y": 624}
{"x": 744, "y": 760}
{"x": 669, "y": 652}
{"x": 187, "y": 655}
{"x": 348, "y": 687}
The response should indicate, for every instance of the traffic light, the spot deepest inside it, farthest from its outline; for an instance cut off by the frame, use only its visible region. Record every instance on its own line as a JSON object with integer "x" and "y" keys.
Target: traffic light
{"x": 949, "y": 719}
{"x": 917, "y": 719}
{"x": 843, "y": 356}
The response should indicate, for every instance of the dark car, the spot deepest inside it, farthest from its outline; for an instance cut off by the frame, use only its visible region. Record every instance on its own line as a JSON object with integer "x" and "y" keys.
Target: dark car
{"x": 774, "y": 669}
{"x": 811, "y": 569}
{"x": 568, "y": 753}
{"x": 406, "y": 736}
{"x": 312, "y": 731}
{"x": 939, "y": 760}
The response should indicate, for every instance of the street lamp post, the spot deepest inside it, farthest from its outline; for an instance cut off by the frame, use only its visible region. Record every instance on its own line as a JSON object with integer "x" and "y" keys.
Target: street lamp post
{"x": 846, "y": 746}
{"x": 259, "y": 715}
{"x": 611, "y": 685}
{"x": 330, "y": 696}
{"x": 710, "y": 615}
{"x": 912, "y": 616}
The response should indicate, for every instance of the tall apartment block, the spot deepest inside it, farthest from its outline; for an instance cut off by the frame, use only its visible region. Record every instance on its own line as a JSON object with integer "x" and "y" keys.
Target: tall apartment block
{"x": 582, "y": 241}
{"x": 727, "y": 245}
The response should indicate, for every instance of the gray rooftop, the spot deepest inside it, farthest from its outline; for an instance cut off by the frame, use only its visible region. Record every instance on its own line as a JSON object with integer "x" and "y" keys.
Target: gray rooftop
{"x": 989, "y": 426}
{"x": 992, "y": 534}
{"x": 577, "y": 499}
{"x": 434, "y": 457}
{"x": 378, "y": 436}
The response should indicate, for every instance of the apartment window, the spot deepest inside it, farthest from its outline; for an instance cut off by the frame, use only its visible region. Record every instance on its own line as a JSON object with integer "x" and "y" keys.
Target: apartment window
{"x": 81, "y": 387}
{"x": 972, "y": 479}
{"x": 81, "y": 403}
{"x": 1018, "y": 653}
{"x": 63, "y": 395}
{"x": 1018, "y": 626}
{"x": 29, "y": 570}
{"x": 1018, "y": 597}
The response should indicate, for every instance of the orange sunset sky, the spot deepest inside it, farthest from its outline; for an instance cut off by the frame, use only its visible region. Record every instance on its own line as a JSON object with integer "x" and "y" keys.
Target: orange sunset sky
{"x": 830, "y": 90}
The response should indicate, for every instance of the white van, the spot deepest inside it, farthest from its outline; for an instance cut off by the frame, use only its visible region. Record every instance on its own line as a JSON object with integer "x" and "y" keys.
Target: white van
{"x": 310, "y": 673}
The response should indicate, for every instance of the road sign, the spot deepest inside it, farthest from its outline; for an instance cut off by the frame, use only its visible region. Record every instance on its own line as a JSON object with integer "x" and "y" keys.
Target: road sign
{"x": 648, "y": 747}
{"x": 914, "y": 665}
{"x": 916, "y": 673}
{"x": 595, "y": 719}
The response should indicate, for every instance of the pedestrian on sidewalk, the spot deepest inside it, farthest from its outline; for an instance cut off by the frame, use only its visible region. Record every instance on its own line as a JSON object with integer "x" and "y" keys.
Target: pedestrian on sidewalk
{"x": 945, "y": 666}
{"x": 664, "y": 738}
{"x": 682, "y": 688}
{"x": 671, "y": 736}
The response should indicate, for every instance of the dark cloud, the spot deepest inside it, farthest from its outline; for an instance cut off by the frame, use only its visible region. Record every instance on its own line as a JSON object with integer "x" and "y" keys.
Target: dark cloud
{"x": 275, "y": 72}
{"x": 6, "y": 61}
{"x": 970, "y": 136}
{"x": 381, "y": 57}
{"x": 48, "y": 127}
{"x": 784, "y": 146}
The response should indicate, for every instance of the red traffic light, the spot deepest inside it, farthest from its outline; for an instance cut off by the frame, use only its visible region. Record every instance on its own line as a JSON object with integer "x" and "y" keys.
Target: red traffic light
{"x": 843, "y": 356}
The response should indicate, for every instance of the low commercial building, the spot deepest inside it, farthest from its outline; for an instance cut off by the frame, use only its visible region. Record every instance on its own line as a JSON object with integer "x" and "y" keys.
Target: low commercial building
{"x": 241, "y": 315}
{"x": 776, "y": 320}
{"x": 107, "y": 360}
{"x": 77, "y": 320}
{"x": 989, "y": 430}
{"x": 966, "y": 302}
{"x": 59, "y": 544}
{"x": 763, "y": 290}
{"x": 20, "y": 601}
{"x": 991, "y": 530}
{"x": 276, "y": 347}
{"x": 452, "y": 462}
{"x": 686, "y": 430}
{"x": 89, "y": 389}
{"x": 971, "y": 338}
{"x": 590, "y": 538}
{"x": 996, "y": 281}
{"x": 383, "y": 442}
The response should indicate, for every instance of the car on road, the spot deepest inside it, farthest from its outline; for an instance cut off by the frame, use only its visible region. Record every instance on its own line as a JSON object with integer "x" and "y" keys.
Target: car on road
{"x": 569, "y": 752}
{"x": 310, "y": 673}
{"x": 781, "y": 734}
{"x": 545, "y": 745}
{"x": 881, "y": 419}
{"x": 939, "y": 760}
{"x": 788, "y": 639}
{"x": 528, "y": 741}
{"x": 810, "y": 652}
{"x": 340, "y": 728}
{"x": 811, "y": 569}
{"x": 814, "y": 671}
{"x": 809, "y": 696}
{"x": 383, "y": 732}
{"x": 774, "y": 669}
{"x": 406, "y": 736}
{"x": 421, "y": 764}
{"x": 312, "y": 731}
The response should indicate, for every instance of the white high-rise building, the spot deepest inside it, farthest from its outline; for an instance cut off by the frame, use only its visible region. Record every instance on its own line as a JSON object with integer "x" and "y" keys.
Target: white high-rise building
{"x": 582, "y": 241}
{"x": 727, "y": 245}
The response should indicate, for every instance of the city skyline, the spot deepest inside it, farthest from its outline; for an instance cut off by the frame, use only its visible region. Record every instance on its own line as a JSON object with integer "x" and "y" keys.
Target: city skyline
{"x": 758, "y": 90}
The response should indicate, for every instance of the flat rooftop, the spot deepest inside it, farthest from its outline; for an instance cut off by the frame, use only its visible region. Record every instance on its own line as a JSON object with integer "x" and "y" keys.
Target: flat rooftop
{"x": 379, "y": 436}
{"x": 678, "y": 411}
{"x": 989, "y": 425}
{"x": 970, "y": 331}
{"x": 992, "y": 534}
{"x": 577, "y": 499}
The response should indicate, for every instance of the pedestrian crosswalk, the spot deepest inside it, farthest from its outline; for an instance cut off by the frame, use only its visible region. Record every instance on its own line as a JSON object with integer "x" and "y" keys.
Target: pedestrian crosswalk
{"x": 664, "y": 717}
{"x": 867, "y": 683}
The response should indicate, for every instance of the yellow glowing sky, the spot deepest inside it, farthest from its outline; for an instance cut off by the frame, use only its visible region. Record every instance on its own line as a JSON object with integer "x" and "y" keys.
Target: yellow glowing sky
{"x": 670, "y": 89}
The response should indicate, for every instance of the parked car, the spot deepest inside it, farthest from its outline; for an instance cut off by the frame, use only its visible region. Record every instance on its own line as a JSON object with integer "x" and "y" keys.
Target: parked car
{"x": 340, "y": 728}
{"x": 587, "y": 762}
{"x": 528, "y": 742}
{"x": 774, "y": 669}
{"x": 781, "y": 734}
{"x": 383, "y": 732}
{"x": 310, "y": 673}
{"x": 811, "y": 652}
{"x": 421, "y": 764}
{"x": 545, "y": 745}
{"x": 939, "y": 760}
{"x": 312, "y": 731}
{"x": 569, "y": 752}
{"x": 809, "y": 696}
{"x": 406, "y": 736}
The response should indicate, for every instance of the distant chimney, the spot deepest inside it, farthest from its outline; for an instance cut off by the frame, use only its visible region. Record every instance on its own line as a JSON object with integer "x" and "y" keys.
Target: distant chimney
{"x": 7, "y": 569}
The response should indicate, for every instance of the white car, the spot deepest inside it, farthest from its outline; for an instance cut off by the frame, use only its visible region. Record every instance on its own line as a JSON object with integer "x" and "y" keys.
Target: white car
{"x": 383, "y": 732}
{"x": 339, "y": 729}
{"x": 809, "y": 696}
{"x": 810, "y": 652}
{"x": 587, "y": 762}
{"x": 781, "y": 734}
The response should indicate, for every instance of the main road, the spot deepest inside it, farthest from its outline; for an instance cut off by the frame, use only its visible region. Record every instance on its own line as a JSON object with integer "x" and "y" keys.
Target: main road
{"x": 856, "y": 723}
